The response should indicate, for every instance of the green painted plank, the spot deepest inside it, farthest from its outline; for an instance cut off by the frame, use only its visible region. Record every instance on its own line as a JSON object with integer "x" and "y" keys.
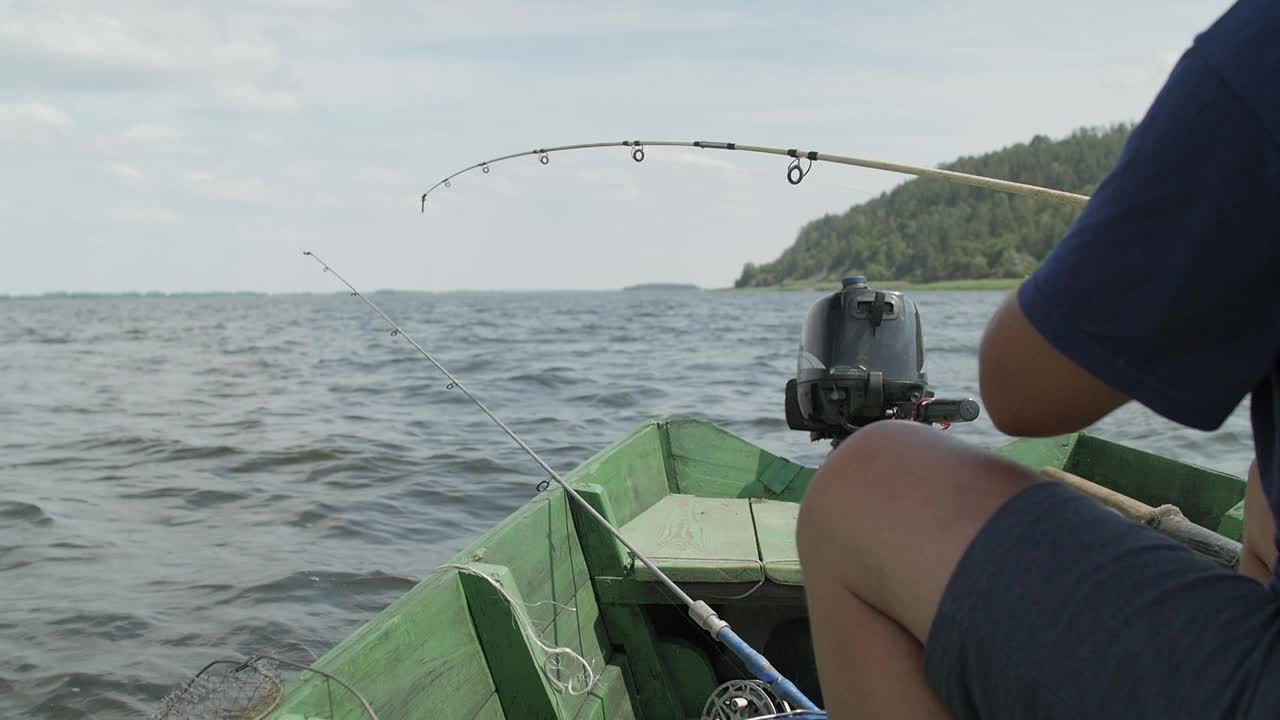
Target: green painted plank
{"x": 516, "y": 664}
{"x": 798, "y": 485}
{"x": 419, "y": 658}
{"x": 610, "y": 700}
{"x": 629, "y": 626}
{"x": 620, "y": 660}
{"x": 630, "y": 591}
{"x": 579, "y": 627}
{"x": 711, "y": 462}
{"x": 540, "y": 547}
{"x": 1037, "y": 453}
{"x": 1232, "y": 524}
{"x": 664, "y": 440}
{"x": 604, "y": 554}
{"x": 697, "y": 539}
{"x": 492, "y": 710}
{"x": 632, "y": 473}
{"x": 692, "y": 675}
{"x": 779, "y": 475}
{"x": 1203, "y": 495}
{"x": 776, "y": 536}
{"x": 540, "y": 544}
{"x": 514, "y": 660}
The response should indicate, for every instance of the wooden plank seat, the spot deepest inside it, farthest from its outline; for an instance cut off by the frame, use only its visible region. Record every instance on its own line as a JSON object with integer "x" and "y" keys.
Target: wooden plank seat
{"x": 717, "y": 540}
{"x": 697, "y": 539}
{"x": 775, "y": 524}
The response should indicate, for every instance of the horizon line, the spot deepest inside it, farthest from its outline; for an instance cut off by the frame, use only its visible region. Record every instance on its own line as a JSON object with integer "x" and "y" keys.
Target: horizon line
{"x": 80, "y": 294}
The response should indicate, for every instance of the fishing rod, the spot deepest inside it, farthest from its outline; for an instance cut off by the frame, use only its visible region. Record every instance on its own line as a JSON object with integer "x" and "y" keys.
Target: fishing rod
{"x": 700, "y": 611}
{"x": 795, "y": 171}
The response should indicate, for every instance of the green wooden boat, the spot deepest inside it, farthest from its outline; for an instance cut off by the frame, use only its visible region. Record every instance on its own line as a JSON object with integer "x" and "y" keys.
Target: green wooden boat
{"x": 713, "y": 511}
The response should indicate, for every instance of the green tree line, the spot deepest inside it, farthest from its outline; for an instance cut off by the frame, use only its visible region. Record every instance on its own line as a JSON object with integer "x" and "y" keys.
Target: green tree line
{"x": 928, "y": 230}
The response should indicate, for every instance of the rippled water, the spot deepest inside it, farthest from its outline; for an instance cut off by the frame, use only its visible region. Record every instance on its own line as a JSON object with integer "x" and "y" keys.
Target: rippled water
{"x": 183, "y": 479}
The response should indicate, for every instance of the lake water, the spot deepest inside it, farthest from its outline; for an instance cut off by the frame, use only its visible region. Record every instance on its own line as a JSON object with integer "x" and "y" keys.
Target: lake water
{"x": 185, "y": 479}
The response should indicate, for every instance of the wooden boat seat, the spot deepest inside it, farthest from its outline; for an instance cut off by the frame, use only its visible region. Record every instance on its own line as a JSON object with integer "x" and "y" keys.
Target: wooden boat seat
{"x": 717, "y": 540}
{"x": 776, "y": 536}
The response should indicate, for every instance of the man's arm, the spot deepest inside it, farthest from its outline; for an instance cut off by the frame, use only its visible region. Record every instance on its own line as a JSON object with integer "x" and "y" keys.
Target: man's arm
{"x": 1030, "y": 389}
{"x": 1164, "y": 289}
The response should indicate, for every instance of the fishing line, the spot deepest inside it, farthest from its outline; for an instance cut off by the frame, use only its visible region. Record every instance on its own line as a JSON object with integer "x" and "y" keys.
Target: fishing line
{"x": 551, "y": 655}
{"x": 796, "y": 173}
{"x": 699, "y": 611}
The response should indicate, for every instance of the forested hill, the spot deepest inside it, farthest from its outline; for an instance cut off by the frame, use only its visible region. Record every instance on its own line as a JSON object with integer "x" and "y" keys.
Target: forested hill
{"x": 927, "y": 230}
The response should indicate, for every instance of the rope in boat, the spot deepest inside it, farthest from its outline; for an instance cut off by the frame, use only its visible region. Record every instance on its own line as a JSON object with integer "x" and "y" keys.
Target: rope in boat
{"x": 552, "y": 655}
{"x": 795, "y": 172}
{"x": 699, "y": 611}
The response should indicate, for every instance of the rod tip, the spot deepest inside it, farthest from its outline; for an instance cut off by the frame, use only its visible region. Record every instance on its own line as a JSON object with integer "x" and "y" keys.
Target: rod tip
{"x": 306, "y": 252}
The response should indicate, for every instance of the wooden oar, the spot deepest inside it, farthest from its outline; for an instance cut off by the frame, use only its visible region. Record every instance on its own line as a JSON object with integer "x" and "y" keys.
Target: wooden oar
{"x": 1167, "y": 519}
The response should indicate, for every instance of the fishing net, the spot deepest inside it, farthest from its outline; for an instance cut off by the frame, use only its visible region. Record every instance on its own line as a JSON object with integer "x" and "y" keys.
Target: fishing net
{"x": 251, "y": 690}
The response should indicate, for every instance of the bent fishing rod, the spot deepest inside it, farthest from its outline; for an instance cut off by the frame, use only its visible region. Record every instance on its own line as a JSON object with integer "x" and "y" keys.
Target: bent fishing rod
{"x": 796, "y": 172}
{"x": 702, "y": 614}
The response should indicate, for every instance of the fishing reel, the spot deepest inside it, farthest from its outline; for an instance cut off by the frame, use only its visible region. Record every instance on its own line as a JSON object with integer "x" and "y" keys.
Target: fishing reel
{"x": 743, "y": 700}
{"x": 862, "y": 361}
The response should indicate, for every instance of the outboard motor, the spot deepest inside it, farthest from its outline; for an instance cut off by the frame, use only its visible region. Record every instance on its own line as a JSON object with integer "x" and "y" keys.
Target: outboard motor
{"x": 862, "y": 360}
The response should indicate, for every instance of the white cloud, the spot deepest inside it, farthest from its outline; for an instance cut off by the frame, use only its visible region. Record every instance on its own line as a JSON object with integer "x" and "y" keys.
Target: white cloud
{"x": 698, "y": 158}
{"x": 125, "y": 172}
{"x": 562, "y": 18}
{"x": 29, "y": 121}
{"x": 597, "y": 175}
{"x": 383, "y": 177}
{"x": 253, "y": 190}
{"x": 262, "y": 139}
{"x": 248, "y": 96}
{"x": 83, "y": 38}
{"x": 305, "y": 171}
{"x": 309, "y": 5}
{"x": 144, "y": 215}
{"x": 247, "y": 54}
{"x": 147, "y": 135}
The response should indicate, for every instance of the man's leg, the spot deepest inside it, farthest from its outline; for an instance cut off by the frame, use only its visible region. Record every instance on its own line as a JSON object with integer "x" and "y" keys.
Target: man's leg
{"x": 881, "y": 530}
{"x": 1258, "y": 552}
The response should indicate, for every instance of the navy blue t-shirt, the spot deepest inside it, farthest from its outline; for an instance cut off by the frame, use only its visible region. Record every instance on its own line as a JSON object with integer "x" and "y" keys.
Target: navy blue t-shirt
{"x": 1167, "y": 287}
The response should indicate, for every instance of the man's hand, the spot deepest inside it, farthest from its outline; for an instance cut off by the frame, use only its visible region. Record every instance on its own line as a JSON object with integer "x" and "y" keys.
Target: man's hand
{"x": 1029, "y": 388}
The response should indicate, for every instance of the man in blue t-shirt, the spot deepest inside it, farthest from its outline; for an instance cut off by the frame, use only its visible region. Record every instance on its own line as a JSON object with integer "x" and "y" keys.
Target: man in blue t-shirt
{"x": 943, "y": 581}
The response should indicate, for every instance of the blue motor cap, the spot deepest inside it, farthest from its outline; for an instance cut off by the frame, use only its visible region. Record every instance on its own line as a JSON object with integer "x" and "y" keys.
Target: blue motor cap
{"x": 859, "y": 280}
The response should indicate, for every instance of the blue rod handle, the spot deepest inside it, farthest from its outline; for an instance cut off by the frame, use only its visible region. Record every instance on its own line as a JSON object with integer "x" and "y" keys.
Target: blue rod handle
{"x": 760, "y": 667}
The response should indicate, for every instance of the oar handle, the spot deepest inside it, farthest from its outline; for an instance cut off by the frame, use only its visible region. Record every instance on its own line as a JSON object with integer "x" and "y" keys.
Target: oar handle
{"x": 1127, "y": 506}
{"x": 1167, "y": 519}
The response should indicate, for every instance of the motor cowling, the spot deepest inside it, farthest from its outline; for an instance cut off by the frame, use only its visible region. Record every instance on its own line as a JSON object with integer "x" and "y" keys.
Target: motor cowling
{"x": 862, "y": 360}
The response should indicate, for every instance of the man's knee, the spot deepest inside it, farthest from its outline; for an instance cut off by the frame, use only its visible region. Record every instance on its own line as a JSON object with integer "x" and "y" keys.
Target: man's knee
{"x": 888, "y": 484}
{"x": 865, "y": 478}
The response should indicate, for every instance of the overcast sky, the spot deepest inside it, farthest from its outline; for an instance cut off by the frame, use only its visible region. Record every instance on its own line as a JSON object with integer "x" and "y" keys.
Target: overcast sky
{"x": 201, "y": 146}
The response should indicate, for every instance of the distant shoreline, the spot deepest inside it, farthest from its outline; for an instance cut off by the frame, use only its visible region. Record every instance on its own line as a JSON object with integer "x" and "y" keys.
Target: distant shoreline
{"x": 832, "y": 285}
{"x": 661, "y": 286}
{"x": 988, "y": 284}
